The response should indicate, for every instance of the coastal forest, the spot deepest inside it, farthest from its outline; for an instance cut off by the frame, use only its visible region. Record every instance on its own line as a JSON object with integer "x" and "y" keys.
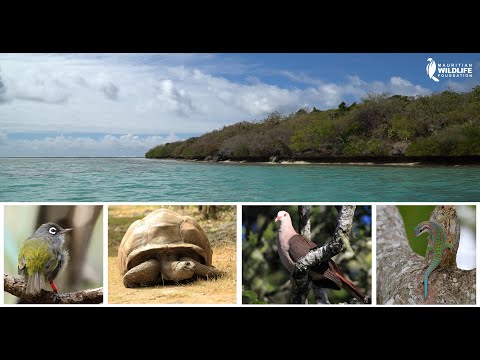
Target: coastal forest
{"x": 443, "y": 124}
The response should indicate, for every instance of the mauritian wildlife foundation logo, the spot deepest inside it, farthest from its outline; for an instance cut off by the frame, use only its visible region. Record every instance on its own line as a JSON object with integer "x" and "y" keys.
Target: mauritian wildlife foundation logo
{"x": 448, "y": 70}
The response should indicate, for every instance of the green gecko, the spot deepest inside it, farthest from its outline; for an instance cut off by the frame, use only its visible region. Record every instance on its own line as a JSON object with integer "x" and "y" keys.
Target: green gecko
{"x": 439, "y": 238}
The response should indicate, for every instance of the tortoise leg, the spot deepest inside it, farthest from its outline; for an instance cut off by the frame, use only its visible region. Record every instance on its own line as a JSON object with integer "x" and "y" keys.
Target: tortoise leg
{"x": 144, "y": 273}
{"x": 203, "y": 270}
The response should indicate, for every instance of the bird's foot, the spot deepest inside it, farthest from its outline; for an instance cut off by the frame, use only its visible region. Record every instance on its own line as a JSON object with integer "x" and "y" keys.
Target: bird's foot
{"x": 56, "y": 298}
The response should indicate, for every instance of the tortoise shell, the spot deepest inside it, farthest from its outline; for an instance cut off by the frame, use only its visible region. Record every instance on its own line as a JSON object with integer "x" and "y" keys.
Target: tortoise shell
{"x": 163, "y": 231}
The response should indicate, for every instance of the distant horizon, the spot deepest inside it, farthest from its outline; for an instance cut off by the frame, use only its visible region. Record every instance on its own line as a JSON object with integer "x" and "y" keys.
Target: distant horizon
{"x": 121, "y": 105}
{"x": 71, "y": 157}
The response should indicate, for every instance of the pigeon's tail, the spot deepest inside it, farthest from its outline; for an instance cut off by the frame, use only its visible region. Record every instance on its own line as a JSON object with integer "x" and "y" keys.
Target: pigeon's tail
{"x": 352, "y": 289}
{"x": 348, "y": 285}
{"x": 35, "y": 283}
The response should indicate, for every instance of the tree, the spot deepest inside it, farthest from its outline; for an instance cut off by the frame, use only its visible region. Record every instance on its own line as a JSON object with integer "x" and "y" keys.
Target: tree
{"x": 302, "y": 111}
{"x": 342, "y": 106}
{"x": 299, "y": 277}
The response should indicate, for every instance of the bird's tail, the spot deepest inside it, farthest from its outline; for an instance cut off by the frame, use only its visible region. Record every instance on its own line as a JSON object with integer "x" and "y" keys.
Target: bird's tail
{"x": 347, "y": 284}
{"x": 35, "y": 283}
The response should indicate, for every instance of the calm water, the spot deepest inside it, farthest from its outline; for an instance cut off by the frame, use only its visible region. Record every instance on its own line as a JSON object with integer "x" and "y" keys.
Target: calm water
{"x": 40, "y": 179}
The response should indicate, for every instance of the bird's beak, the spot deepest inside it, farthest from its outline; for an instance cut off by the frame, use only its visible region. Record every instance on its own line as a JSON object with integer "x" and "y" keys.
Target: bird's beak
{"x": 65, "y": 230}
{"x": 277, "y": 218}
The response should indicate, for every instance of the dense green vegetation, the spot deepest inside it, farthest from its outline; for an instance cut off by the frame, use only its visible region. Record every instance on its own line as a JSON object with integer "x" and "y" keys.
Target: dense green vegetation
{"x": 441, "y": 124}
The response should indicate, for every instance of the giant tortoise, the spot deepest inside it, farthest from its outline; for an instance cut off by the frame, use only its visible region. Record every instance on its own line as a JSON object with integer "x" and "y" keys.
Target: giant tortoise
{"x": 164, "y": 246}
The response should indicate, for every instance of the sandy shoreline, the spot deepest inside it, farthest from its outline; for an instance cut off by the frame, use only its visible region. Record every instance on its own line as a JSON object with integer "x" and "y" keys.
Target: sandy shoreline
{"x": 302, "y": 162}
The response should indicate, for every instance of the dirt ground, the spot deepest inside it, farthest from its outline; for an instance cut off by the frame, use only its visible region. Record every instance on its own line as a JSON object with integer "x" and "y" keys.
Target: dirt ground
{"x": 221, "y": 232}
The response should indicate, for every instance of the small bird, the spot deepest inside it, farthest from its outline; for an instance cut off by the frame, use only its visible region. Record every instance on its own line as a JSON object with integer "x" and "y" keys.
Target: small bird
{"x": 42, "y": 256}
{"x": 431, "y": 68}
{"x": 292, "y": 247}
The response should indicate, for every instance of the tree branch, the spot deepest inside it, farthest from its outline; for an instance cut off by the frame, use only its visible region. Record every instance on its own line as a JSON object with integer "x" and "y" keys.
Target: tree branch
{"x": 321, "y": 294}
{"x": 304, "y": 214}
{"x": 299, "y": 276}
{"x": 16, "y": 287}
{"x": 400, "y": 271}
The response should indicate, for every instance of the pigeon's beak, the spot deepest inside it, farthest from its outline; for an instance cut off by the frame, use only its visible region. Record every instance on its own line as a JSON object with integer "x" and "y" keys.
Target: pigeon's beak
{"x": 277, "y": 218}
{"x": 65, "y": 230}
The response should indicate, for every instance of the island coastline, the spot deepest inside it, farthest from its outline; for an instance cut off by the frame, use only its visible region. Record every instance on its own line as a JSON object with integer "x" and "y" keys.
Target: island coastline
{"x": 342, "y": 161}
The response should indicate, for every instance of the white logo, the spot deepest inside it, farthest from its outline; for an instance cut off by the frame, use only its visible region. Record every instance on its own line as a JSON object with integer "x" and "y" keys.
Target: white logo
{"x": 448, "y": 70}
{"x": 431, "y": 68}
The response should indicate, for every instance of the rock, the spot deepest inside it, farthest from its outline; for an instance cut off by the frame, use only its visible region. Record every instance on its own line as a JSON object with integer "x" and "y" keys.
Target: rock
{"x": 208, "y": 158}
{"x": 216, "y": 158}
{"x": 273, "y": 159}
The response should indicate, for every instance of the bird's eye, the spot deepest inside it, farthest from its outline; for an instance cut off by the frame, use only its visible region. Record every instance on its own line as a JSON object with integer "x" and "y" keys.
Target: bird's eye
{"x": 52, "y": 231}
{"x": 285, "y": 214}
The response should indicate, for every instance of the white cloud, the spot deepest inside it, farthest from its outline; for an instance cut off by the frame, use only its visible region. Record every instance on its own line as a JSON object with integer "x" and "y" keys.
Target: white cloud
{"x": 108, "y": 145}
{"x": 463, "y": 86}
{"x": 401, "y": 86}
{"x": 148, "y": 94}
{"x": 3, "y": 91}
{"x": 301, "y": 78}
{"x": 110, "y": 90}
{"x": 255, "y": 99}
{"x": 331, "y": 94}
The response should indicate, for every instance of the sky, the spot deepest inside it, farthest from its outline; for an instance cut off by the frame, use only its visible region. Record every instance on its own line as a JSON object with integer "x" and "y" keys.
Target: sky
{"x": 124, "y": 104}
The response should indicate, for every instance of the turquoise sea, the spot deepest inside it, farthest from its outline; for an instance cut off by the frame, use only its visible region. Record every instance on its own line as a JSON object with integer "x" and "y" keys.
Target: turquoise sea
{"x": 139, "y": 179}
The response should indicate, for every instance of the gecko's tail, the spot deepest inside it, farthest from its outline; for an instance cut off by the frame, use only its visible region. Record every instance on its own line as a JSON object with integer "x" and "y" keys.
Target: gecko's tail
{"x": 432, "y": 267}
{"x": 425, "y": 287}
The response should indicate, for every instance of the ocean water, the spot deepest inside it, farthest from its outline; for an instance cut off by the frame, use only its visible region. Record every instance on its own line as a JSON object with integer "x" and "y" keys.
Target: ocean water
{"x": 138, "y": 179}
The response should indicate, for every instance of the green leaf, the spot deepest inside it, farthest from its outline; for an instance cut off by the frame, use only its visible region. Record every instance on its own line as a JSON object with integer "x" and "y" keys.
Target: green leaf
{"x": 251, "y": 295}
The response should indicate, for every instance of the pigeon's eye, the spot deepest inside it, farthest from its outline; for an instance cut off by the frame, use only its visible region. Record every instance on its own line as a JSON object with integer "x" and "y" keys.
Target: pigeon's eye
{"x": 52, "y": 231}
{"x": 285, "y": 214}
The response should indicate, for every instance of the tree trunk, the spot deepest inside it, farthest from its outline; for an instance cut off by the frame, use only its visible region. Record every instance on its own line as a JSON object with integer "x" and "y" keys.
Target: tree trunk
{"x": 400, "y": 271}
{"x": 299, "y": 277}
{"x": 208, "y": 211}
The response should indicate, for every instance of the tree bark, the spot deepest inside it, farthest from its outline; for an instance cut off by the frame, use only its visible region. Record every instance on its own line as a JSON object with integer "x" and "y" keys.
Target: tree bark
{"x": 321, "y": 294}
{"x": 400, "y": 271}
{"x": 299, "y": 276}
{"x": 446, "y": 216}
{"x": 16, "y": 287}
{"x": 304, "y": 220}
